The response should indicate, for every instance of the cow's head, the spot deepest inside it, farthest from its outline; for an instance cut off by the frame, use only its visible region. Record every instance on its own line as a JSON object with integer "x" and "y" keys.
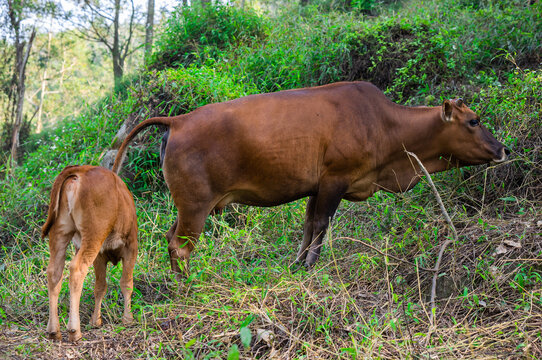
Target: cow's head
{"x": 466, "y": 139}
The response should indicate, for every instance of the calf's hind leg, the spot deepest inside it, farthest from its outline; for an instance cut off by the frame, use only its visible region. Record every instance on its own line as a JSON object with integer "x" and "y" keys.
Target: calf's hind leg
{"x": 90, "y": 246}
{"x": 58, "y": 243}
{"x": 100, "y": 288}
{"x": 127, "y": 280}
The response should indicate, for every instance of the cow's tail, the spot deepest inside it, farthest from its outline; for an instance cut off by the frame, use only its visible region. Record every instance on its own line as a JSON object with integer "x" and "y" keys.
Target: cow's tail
{"x": 55, "y": 197}
{"x": 121, "y": 154}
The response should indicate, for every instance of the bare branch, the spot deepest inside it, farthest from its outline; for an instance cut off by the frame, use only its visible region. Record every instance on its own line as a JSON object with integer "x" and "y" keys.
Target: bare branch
{"x": 126, "y": 46}
{"x": 97, "y": 12}
{"x": 443, "y": 246}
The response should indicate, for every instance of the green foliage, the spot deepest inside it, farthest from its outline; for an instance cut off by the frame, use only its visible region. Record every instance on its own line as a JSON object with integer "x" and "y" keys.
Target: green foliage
{"x": 299, "y": 51}
{"x": 195, "y": 34}
{"x": 497, "y": 28}
{"x": 489, "y": 30}
{"x": 362, "y": 5}
{"x": 77, "y": 74}
{"x": 404, "y": 58}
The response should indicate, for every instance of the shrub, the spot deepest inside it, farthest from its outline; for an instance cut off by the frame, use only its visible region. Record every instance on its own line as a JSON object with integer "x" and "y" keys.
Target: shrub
{"x": 402, "y": 58}
{"x": 303, "y": 50}
{"x": 198, "y": 33}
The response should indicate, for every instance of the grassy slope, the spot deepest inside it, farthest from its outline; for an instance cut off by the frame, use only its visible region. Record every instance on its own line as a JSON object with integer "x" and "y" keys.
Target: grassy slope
{"x": 356, "y": 300}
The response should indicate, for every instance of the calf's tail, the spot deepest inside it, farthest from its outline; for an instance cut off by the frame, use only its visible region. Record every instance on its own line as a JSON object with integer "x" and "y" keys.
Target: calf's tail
{"x": 119, "y": 159}
{"x": 68, "y": 172}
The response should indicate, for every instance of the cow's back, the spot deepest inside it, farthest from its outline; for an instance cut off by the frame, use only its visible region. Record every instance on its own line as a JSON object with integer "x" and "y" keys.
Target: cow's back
{"x": 272, "y": 148}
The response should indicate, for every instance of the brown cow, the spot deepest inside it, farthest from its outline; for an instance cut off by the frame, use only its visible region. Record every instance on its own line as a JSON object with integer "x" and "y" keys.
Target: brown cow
{"x": 92, "y": 207}
{"x": 332, "y": 142}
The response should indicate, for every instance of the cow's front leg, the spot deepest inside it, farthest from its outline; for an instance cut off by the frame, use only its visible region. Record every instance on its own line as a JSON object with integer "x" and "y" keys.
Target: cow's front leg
{"x": 307, "y": 231}
{"x": 329, "y": 198}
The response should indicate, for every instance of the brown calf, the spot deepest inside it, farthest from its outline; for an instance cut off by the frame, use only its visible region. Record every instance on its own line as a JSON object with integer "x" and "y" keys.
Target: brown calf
{"x": 332, "y": 142}
{"x": 92, "y": 207}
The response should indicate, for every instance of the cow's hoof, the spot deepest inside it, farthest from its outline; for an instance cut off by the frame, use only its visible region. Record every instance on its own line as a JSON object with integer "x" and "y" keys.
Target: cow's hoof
{"x": 55, "y": 335}
{"x": 296, "y": 266}
{"x": 74, "y": 335}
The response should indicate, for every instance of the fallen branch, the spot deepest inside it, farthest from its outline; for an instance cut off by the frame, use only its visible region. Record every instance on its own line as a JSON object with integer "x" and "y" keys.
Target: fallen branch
{"x": 444, "y": 245}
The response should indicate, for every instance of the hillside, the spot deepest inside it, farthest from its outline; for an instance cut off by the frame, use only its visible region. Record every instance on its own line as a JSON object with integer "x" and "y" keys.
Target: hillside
{"x": 369, "y": 294}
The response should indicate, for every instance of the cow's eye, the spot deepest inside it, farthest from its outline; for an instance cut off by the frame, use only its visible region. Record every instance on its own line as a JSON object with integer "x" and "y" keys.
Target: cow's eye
{"x": 474, "y": 122}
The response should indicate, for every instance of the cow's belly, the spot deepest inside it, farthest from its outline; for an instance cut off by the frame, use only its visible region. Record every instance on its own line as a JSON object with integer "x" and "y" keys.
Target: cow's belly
{"x": 257, "y": 198}
{"x": 362, "y": 188}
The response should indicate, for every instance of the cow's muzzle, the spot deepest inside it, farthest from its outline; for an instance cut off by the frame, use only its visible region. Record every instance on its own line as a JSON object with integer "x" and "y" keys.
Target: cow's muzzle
{"x": 505, "y": 152}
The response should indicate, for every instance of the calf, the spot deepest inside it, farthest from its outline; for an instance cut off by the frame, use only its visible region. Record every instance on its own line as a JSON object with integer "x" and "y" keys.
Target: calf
{"x": 92, "y": 207}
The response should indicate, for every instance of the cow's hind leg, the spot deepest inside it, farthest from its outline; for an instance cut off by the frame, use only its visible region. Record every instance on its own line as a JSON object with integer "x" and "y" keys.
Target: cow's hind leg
{"x": 100, "y": 288}
{"x": 57, "y": 247}
{"x": 307, "y": 231}
{"x": 329, "y": 198}
{"x": 181, "y": 243}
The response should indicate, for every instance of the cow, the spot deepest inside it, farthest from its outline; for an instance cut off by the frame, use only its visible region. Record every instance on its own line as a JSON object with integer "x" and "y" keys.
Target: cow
{"x": 91, "y": 207}
{"x": 339, "y": 141}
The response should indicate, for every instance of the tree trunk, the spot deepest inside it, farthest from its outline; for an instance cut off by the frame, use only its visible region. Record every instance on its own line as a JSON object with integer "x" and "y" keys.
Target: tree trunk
{"x": 39, "y": 125}
{"x": 118, "y": 62}
{"x": 21, "y": 74}
{"x": 149, "y": 29}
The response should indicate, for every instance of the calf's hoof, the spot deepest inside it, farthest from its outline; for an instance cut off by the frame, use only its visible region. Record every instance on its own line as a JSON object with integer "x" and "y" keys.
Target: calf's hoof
{"x": 55, "y": 335}
{"x": 74, "y": 335}
{"x": 128, "y": 319}
{"x": 96, "y": 322}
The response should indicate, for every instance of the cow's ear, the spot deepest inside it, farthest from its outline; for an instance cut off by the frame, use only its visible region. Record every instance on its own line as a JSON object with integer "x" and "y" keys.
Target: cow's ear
{"x": 447, "y": 109}
{"x": 459, "y": 102}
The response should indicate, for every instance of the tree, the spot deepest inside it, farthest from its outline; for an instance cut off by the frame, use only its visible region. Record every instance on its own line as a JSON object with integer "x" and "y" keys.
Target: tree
{"x": 22, "y": 38}
{"x": 43, "y": 85}
{"x": 111, "y": 23}
{"x": 149, "y": 28}
{"x": 22, "y": 52}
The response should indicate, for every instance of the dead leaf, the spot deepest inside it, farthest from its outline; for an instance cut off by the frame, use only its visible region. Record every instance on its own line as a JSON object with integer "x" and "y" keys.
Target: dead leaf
{"x": 501, "y": 249}
{"x": 512, "y": 243}
{"x": 266, "y": 335}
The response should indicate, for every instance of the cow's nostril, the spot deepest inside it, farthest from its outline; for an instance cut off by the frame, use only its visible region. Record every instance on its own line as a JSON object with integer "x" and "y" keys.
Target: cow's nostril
{"x": 507, "y": 151}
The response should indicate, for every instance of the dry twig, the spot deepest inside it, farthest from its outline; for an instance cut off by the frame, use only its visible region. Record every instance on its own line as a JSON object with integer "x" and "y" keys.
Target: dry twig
{"x": 443, "y": 246}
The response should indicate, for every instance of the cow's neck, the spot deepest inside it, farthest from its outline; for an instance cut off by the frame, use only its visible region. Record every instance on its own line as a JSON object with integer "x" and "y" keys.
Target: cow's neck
{"x": 418, "y": 130}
